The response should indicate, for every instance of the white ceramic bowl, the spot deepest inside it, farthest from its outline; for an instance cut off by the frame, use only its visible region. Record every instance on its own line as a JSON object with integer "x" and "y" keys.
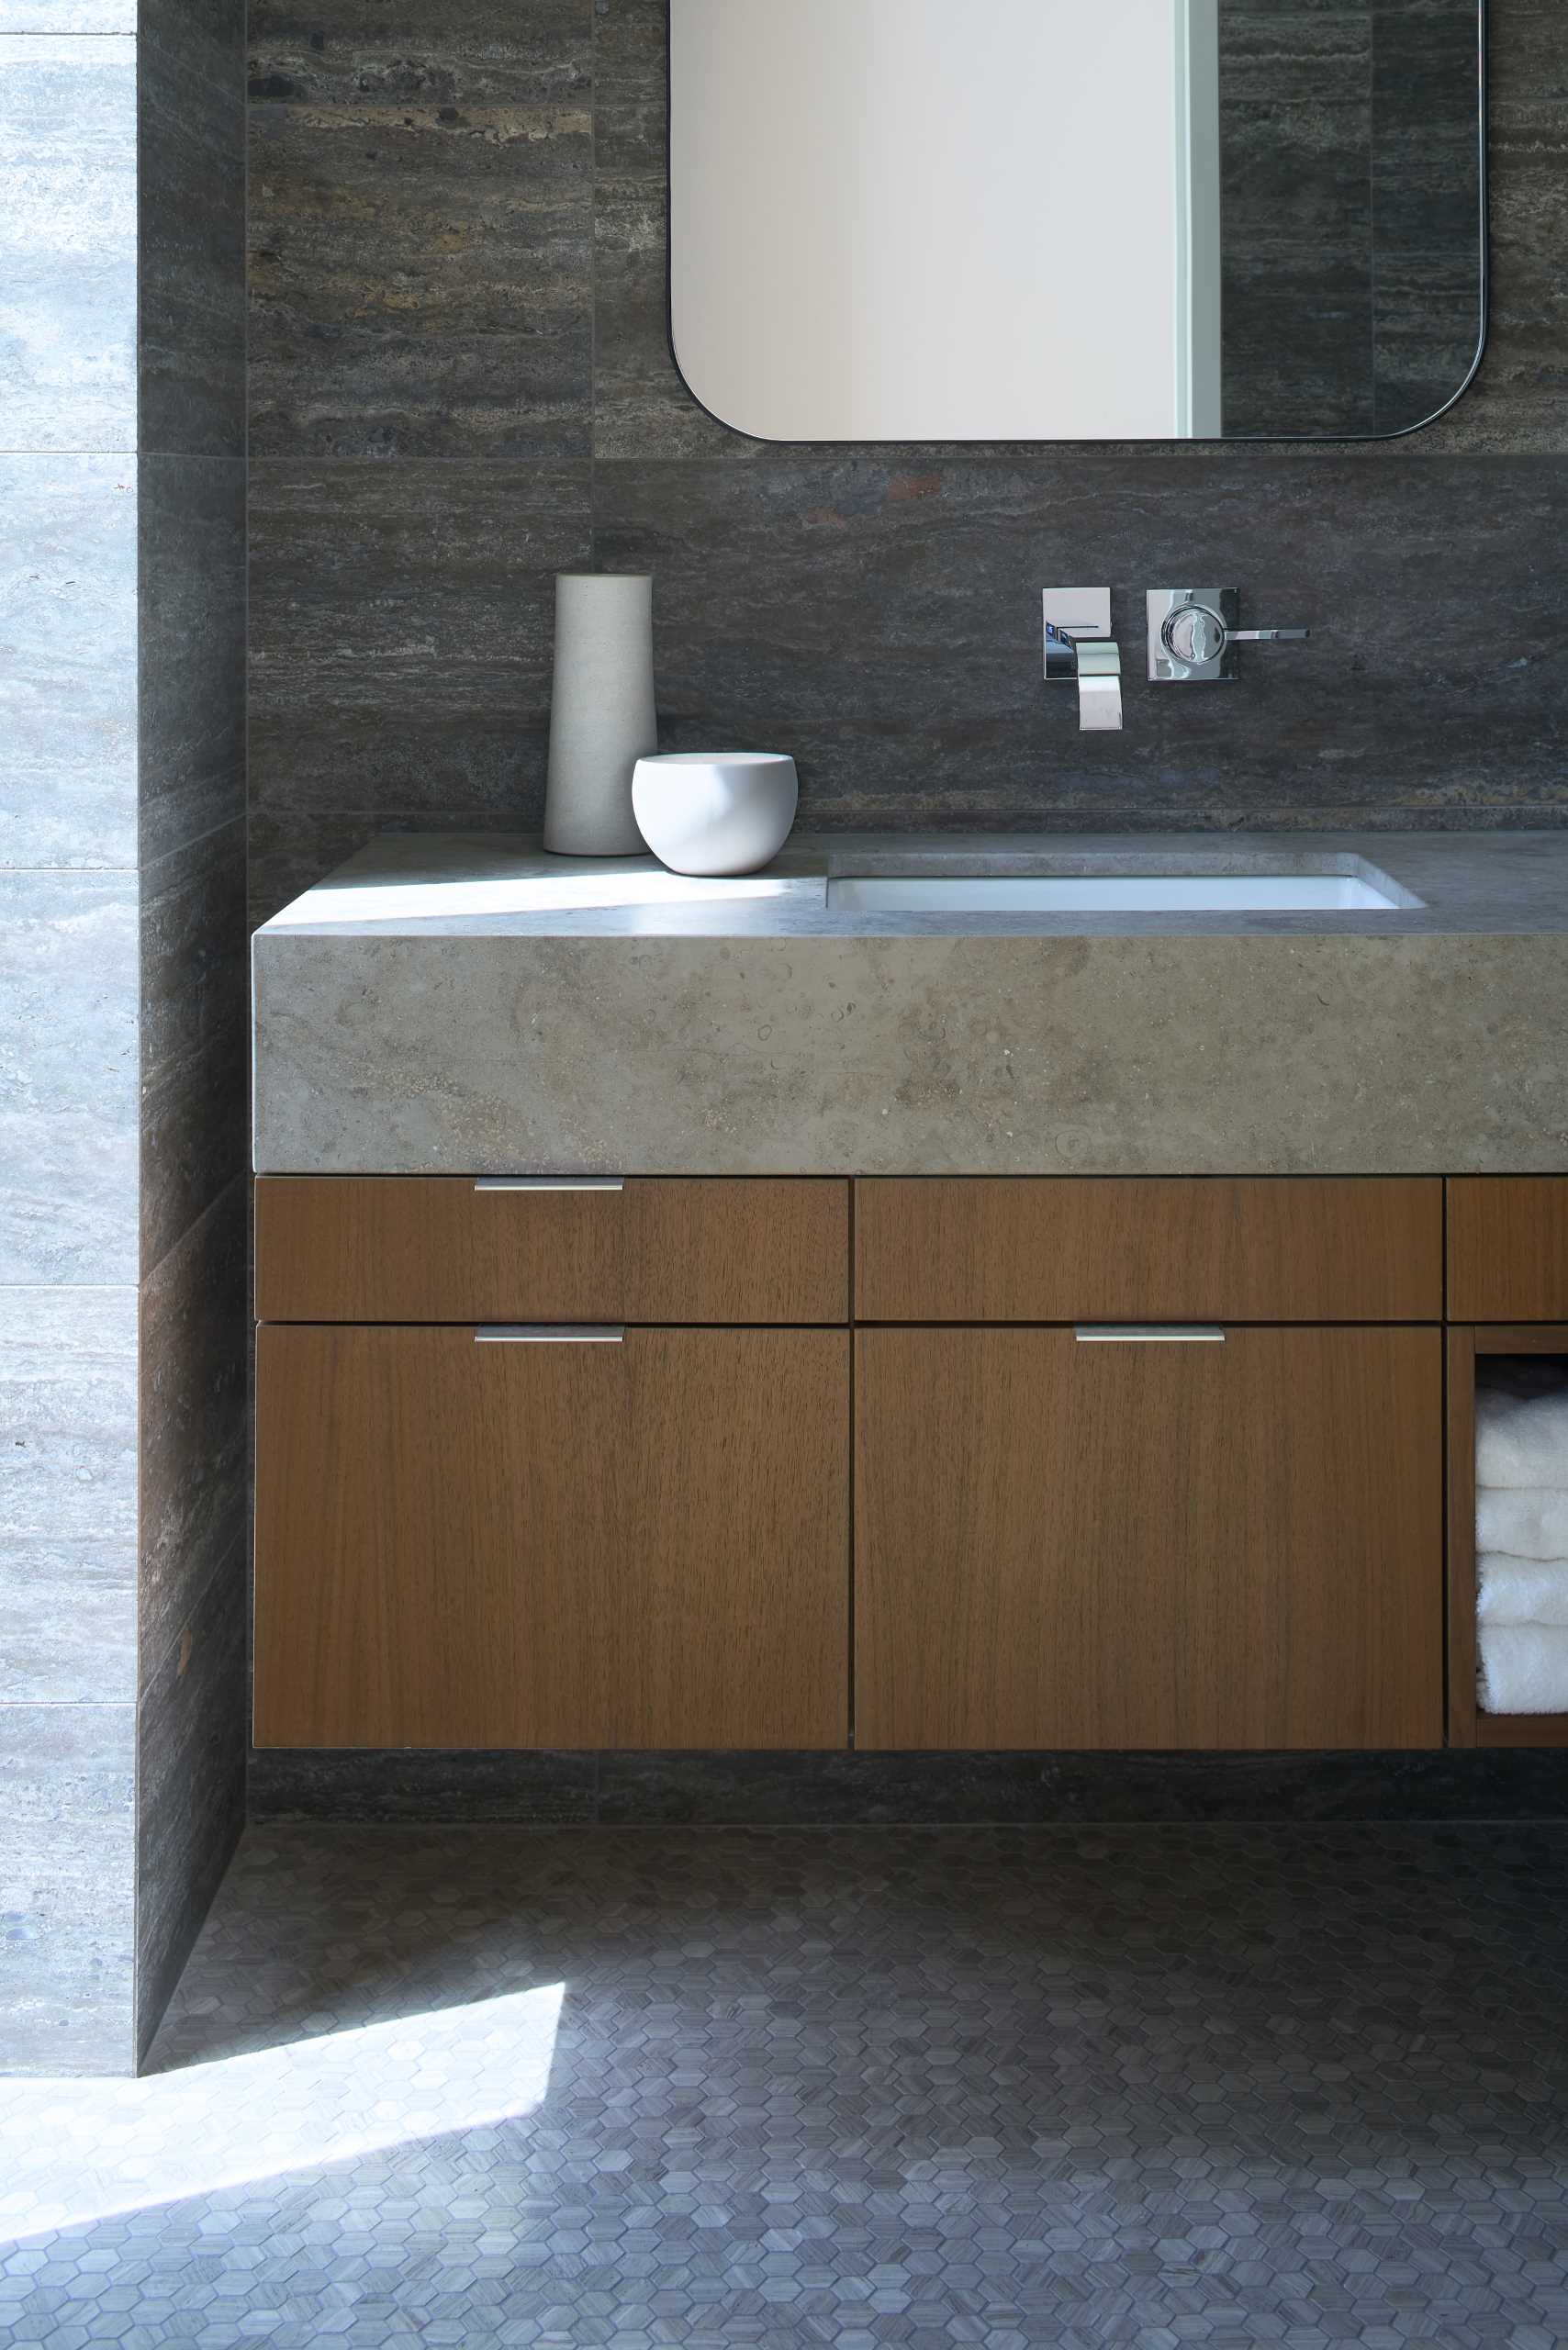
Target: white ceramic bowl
{"x": 715, "y": 812}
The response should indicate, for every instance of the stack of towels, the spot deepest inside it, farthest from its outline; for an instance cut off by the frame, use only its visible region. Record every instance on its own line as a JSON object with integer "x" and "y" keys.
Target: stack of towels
{"x": 1521, "y": 1543}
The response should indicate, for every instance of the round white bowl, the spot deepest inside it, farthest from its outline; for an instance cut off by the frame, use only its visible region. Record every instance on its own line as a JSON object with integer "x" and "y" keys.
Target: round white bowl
{"x": 715, "y": 812}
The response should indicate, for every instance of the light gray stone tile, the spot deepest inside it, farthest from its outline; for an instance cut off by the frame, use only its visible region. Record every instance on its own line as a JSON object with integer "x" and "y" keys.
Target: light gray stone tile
{"x": 191, "y": 1757}
{"x": 67, "y": 1622}
{"x": 68, "y": 1402}
{"x": 195, "y": 1427}
{"x": 67, "y": 241}
{"x": 68, "y": 1078}
{"x": 68, "y": 601}
{"x": 67, "y": 1851}
{"x": 68, "y": 15}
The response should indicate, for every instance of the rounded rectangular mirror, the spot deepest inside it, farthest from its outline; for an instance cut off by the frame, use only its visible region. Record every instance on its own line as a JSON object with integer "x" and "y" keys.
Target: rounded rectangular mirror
{"x": 1002, "y": 220}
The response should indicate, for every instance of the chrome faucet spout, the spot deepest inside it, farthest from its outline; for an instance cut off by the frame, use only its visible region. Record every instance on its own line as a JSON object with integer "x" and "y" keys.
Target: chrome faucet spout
{"x": 1080, "y": 649}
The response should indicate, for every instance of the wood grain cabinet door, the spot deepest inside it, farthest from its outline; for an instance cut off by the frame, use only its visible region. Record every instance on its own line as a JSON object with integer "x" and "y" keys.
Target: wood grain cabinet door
{"x": 1071, "y": 1544}
{"x": 466, "y": 1542}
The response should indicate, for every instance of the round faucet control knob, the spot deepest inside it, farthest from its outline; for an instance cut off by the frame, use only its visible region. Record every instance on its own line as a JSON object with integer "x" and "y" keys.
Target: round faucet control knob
{"x": 1192, "y": 633}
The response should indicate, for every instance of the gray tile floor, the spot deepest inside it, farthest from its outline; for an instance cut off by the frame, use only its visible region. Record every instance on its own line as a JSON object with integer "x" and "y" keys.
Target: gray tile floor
{"x": 856, "y": 2087}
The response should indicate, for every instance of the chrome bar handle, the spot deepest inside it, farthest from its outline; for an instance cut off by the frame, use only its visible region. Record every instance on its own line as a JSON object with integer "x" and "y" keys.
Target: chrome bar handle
{"x": 549, "y": 1334}
{"x": 549, "y": 1184}
{"x": 1141, "y": 1334}
{"x": 1267, "y": 635}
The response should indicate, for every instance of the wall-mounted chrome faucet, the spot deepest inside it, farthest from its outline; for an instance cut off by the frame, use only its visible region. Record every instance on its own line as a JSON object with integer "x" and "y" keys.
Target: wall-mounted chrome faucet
{"x": 1080, "y": 649}
{"x": 1192, "y": 632}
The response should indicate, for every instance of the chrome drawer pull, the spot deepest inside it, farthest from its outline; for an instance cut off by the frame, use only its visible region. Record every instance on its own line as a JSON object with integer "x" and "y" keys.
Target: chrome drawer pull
{"x": 549, "y": 1334}
{"x": 1172, "y": 1334}
{"x": 549, "y": 1184}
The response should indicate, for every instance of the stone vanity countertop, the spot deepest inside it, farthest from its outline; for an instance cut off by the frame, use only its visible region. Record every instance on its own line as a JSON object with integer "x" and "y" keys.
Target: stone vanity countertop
{"x": 462, "y": 1003}
{"x": 475, "y": 885}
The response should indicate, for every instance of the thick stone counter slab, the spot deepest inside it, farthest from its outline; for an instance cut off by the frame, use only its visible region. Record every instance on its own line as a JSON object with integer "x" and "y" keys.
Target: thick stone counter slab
{"x": 467, "y": 1005}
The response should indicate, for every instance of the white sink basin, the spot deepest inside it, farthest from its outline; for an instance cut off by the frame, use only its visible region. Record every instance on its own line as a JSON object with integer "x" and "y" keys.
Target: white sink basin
{"x": 1111, "y": 893}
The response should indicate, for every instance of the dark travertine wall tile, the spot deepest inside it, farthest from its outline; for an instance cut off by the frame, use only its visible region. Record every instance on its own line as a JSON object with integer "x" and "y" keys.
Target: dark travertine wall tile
{"x": 1519, "y": 400}
{"x": 401, "y": 623}
{"x": 422, "y": 229}
{"x": 191, "y": 243}
{"x": 1426, "y": 187}
{"x": 534, "y": 1789}
{"x": 195, "y": 1427}
{"x": 195, "y": 1085}
{"x": 191, "y": 1747}
{"x": 631, "y": 111}
{"x": 641, "y": 405}
{"x": 191, "y": 636}
{"x": 66, "y": 1889}
{"x": 884, "y": 624}
{"x": 1295, "y": 196}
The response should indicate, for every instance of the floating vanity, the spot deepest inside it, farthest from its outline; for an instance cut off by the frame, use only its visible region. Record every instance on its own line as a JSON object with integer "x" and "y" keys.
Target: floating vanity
{"x": 744, "y": 1314}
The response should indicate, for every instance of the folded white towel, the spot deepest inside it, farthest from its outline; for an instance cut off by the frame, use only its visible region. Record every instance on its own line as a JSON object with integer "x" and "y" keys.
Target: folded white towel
{"x": 1527, "y": 1521}
{"x": 1521, "y": 1440}
{"x": 1520, "y": 1591}
{"x": 1523, "y": 1669}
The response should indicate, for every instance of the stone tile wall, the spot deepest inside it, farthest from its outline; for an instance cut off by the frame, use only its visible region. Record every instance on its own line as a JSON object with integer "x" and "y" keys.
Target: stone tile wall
{"x": 462, "y": 383}
{"x": 68, "y": 1032}
{"x": 122, "y": 1004}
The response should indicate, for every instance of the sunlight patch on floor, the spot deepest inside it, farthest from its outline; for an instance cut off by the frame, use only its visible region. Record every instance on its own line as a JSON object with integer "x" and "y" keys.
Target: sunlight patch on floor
{"x": 73, "y": 2151}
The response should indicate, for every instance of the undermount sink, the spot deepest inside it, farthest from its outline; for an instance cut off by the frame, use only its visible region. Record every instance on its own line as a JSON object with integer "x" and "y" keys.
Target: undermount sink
{"x": 1115, "y": 892}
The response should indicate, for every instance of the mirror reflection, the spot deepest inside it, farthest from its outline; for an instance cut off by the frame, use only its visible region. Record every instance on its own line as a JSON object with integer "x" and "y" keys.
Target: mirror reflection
{"x": 1000, "y": 221}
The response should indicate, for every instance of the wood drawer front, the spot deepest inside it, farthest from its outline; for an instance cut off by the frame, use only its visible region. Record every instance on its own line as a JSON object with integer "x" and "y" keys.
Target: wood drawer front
{"x": 462, "y": 1544}
{"x": 1052, "y": 1248}
{"x": 1062, "y": 1544}
{"x": 435, "y": 1249}
{"x": 1508, "y": 1248}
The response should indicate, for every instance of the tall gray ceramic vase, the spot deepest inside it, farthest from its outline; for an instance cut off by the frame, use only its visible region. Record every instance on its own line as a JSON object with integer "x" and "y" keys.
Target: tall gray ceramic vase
{"x": 601, "y": 712}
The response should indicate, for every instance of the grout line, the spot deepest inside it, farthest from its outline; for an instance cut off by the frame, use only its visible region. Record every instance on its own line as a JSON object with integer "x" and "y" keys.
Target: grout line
{"x": 1167, "y": 1823}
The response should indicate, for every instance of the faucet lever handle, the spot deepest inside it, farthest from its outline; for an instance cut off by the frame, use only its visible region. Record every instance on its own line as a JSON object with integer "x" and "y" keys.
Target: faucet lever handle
{"x": 1192, "y": 634}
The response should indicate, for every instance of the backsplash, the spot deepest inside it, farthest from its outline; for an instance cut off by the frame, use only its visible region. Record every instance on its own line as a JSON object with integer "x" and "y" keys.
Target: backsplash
{"x": 460, "y": 384}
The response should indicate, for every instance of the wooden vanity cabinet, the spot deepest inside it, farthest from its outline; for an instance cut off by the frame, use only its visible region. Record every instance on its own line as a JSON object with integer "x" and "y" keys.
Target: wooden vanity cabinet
{"x": 1075, "y": 1543}
{"x": 471, "y": 1534}
{"x": 466, "y": 1541}
{"x": 1507, "y": 1248}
